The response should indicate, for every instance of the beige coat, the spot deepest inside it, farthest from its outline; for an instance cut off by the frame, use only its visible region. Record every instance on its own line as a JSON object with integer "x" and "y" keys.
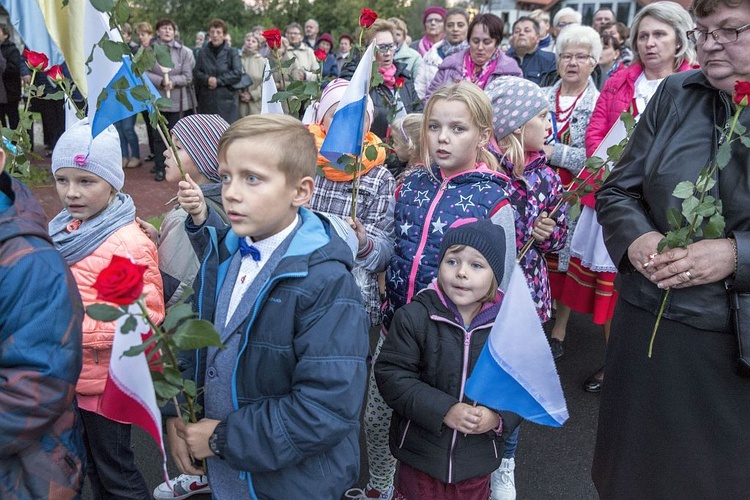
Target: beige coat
{"x": 254, "y": 65}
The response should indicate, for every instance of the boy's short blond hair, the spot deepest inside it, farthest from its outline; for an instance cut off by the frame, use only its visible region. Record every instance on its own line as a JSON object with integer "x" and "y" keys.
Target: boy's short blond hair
{"x": 287, "y": 141}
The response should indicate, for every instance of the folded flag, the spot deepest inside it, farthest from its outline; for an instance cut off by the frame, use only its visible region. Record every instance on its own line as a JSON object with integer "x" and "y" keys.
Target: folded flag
{"x": 267, "y": 91}
{"x": 348, "y": 126}
{"x": 515, "y": 370}
{"x": 129, "y": 395}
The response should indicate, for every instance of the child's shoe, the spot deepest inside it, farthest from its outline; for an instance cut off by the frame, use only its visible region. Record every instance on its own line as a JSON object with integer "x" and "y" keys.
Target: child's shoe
{"x": 369, "y": 492}
{"x": 184, "y": 486}
{"x": 503, "y": 482}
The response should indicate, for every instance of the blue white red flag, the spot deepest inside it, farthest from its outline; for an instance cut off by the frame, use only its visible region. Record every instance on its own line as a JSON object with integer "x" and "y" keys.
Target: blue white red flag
{"x": 348, "y": 127}
{"x": 515, "y": 370}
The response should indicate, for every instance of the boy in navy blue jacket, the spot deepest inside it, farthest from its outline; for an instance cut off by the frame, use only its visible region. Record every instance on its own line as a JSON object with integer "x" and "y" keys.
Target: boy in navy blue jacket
{"x": 282, "y": 401}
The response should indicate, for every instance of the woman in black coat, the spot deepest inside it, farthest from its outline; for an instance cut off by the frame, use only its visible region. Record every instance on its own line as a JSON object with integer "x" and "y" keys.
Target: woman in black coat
{"x": 676, "y": 425}
{"x": 217, "y": 69}
{"x": 396, "y": 96}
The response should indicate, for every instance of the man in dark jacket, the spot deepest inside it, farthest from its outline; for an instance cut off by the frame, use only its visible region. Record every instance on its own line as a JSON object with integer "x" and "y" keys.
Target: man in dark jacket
{"x": 11, "y": 79}
{"x": 41, "y": 438}
{"x": 534, "y": 62}
{"x": 217, "y": 69}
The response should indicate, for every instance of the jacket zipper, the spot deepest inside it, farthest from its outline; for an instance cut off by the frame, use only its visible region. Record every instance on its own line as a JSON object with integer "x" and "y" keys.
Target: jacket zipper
{"x": 464, "y": 376}
{"x": 403, "y": 437}
{"x": 423, "y": 239}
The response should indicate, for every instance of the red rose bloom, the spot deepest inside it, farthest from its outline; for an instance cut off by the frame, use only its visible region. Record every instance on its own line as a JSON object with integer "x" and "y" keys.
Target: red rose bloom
{"x": 321, "y": 55}
{"x": 35, "y": 60}
{"x": 400, "y": 82}
{"x": 273, "y": 38}
{"x": 55, "y": 73}
{"x": 121, "y": 282}
{"x": 367, "y": 17}
{"x": 741, "y": 93}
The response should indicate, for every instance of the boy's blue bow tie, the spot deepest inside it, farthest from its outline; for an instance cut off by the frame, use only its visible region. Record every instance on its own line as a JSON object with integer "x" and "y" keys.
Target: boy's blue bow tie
{"x": 246, "y": 249}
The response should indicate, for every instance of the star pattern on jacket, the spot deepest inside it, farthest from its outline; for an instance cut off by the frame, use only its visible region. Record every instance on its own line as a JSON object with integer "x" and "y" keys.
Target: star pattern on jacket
{"x": 438, "y": 225}
{"x": 465, "y": 202}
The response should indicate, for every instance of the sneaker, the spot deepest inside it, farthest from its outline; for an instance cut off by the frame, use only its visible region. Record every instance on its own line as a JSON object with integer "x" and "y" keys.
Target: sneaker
{"x": 503, "y": 481}
{"x": 556, "y": 346}
{"x": 369, "y": 492}
{"x": 133, "y": 163}
{"x": 184, "y": 486}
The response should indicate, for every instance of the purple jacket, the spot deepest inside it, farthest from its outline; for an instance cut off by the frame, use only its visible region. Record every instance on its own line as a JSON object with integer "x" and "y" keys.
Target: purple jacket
{"x": 451, "y": 70}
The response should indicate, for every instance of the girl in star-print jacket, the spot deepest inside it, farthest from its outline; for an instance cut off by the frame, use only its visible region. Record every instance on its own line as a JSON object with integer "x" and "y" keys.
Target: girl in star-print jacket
{"x": 430, "y": 200}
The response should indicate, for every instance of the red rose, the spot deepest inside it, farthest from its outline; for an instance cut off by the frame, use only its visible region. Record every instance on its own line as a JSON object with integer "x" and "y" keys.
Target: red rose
{"x": 121, "y": 282}
{"x": 741, "y": 93}
{"x": 367, "y": 17}
{"x": 273, "y": 38}
{"x": 55, "y": 73}
{"x": 321, "y": 55}
{"x": 400, "y": 82}
{"x": 35, "y": 60}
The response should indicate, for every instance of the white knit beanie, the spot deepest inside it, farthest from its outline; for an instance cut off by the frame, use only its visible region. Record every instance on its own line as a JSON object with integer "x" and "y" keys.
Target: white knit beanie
{"x": 100, "y": 156}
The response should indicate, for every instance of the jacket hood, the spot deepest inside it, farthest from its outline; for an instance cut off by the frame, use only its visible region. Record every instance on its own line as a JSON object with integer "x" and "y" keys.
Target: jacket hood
{"x": 314, "y": 241}
{"x": 433, "y": 298}
{"x": 25, "y": 216}
{"x": 470, "y": 176}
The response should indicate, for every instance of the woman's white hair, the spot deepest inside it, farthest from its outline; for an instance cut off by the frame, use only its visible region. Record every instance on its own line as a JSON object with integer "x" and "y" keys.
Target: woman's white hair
{"x": 678, "y": 18}
{"x": 567, "y": 11}
{"x": 575, "y": 34}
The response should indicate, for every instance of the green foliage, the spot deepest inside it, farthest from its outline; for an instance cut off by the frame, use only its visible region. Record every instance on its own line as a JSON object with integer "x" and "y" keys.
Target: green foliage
{"x": 104, "y": 312}
{"x": 196, "y": 334}
{"x": 701, "y": 215}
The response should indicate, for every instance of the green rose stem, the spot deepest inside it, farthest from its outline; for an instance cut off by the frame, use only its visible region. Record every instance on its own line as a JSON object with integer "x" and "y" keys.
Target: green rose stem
{"x": 17, "y": 134}
{"x": 702, "y": 190}
{"x": 68, "y": 91}
{"x": 167, "y": 350}
{"x": 281, "y": 74}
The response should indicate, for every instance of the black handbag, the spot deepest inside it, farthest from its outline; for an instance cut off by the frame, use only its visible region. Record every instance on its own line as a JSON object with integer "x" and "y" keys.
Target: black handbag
{"x": 739, "y": 304}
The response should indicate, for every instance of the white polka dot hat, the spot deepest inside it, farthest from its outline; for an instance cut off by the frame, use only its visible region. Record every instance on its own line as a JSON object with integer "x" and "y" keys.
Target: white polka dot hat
{"x": 514, "y": 102}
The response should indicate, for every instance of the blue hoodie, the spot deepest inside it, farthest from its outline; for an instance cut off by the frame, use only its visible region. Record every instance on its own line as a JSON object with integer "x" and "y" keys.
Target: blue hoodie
{"x": 301, "y": 371}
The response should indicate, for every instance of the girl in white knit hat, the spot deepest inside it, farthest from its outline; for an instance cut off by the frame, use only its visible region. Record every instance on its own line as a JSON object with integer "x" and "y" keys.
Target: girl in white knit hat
{"x": 97, "y": 223}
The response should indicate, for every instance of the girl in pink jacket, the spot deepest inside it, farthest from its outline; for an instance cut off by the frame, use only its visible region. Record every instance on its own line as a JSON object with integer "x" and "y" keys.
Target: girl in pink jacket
{"x": 98, "y": 222}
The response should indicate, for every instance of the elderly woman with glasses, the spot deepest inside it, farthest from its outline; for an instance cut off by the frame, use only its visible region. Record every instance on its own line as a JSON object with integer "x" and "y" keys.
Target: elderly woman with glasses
{"x": 482, "y": 61}
{"x": 572, "y": 100}
{"x": 675, "y": 425}
{"x": 395, "y": 97}
{"x": 661, "y": 47}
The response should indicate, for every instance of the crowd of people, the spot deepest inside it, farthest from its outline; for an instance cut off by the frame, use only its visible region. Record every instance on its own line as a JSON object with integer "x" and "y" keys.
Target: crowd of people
{"x": 477, "y": 129}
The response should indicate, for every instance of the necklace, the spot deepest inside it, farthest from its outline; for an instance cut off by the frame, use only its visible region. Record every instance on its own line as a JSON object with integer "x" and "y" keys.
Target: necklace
{"x": 563, "y": 115}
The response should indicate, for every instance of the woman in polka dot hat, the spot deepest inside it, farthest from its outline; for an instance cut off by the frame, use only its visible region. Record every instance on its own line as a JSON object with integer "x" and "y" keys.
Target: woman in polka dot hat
{"x": 520, "y": 121}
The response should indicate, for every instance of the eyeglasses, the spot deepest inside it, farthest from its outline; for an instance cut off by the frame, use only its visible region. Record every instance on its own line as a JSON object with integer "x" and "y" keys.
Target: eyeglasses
{"x": 433, "y": 20}
{"x": 720, "y": 35}
{"x": 580, "y": 58}
{"x": 293, "y": 33}
{"x": 384, "y": 48}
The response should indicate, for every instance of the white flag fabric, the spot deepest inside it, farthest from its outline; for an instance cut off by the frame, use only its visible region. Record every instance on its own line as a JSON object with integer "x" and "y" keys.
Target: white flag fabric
{"x": 516, "y": 371}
